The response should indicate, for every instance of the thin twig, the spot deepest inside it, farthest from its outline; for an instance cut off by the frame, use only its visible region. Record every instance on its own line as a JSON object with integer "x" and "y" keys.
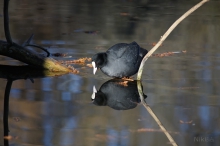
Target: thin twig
{"x": 6, "y": 22}
{"x": 42, "y": 48}
{"x": 154, "y": 115}
{"x": 166, "y": 35}
{"x": 27, "y": 43}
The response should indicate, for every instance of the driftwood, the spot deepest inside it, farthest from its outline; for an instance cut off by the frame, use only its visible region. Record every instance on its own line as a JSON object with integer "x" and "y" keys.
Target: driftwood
{"x": 24, "y": 55}
{"x": 20, "y": 53}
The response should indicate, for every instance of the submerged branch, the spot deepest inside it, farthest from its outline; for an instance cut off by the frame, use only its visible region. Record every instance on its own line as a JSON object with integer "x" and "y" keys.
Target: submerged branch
{"x": 166, "y": 35}
{"x": 140, "y": 91}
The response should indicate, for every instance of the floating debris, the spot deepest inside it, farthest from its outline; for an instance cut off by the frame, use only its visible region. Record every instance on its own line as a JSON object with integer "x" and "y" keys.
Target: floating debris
{"x": 127, "y": 78}
{"x": 124, "y": 14}
{"x": 78, "y": 61}
{"x": 124, "y": 83}
{"x": 187, "y": 122}
{"x": 75, "y": 71}
{"x": 152, "y": 130}
{"x": 9, "y": 137}
{"x": 105, "y": 137}
{"x": 165, "y": 54}
{"x": 89, "y": 65}
{"x": 154, "y": 44}
{"x": 185, "y": 88}
{"x": 59, "y": 54}
{"x": 91, "y": 32}
{"x": 17, "y": 119}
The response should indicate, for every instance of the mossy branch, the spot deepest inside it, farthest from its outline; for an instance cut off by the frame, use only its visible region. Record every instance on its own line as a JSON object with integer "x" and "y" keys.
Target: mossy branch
{"x": 18, "y": 52}
{"x": 27, "y": 56}
{"x": 172, "y": 27}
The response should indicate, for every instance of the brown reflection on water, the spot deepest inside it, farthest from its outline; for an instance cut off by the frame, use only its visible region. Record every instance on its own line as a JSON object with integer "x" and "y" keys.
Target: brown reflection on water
{"x": 182, "y": 90}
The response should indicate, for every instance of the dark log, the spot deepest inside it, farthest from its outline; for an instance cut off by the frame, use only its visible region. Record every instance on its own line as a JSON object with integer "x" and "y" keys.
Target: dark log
{"x": 27, "y": 56}
{"x": 15, "y": 51}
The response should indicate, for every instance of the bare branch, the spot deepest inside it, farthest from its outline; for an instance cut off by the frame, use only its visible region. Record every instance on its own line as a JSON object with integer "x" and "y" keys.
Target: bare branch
{"x": 172, "y": 141}
{"x": 6, "y": 23}
{"x": 166, "y": 35}
{"x": 27, "y": 43}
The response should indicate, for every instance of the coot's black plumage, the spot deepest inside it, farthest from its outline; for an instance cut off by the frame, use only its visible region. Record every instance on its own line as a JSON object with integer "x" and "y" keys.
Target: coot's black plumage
{"x": 116, "y": 95}
{"x": 121, "y": 60}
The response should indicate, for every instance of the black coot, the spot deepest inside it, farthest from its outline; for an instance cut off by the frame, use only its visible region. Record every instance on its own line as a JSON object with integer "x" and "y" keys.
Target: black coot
{"x": 121, "y": 60}
{"x": 116, "y": 95}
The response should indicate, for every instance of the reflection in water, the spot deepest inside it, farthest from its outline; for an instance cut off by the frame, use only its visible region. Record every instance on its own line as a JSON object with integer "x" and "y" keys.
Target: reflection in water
{"x": 183, "y": 90}
{"x": 6, "y": 109}
{"x": 117, "y": 94}
{"x": 12, "y": 73}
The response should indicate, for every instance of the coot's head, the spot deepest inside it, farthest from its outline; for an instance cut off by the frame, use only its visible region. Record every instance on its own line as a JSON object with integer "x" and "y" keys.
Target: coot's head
{"x": 98, "y": 98}
{"x": 98, "y": 61}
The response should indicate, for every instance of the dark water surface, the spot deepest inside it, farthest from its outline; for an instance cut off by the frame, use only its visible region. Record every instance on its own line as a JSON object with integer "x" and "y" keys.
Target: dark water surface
{"x": 182, "y": 90}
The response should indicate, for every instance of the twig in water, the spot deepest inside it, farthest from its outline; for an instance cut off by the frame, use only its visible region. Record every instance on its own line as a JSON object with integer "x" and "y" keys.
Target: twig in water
{"x": 153, "y": 115}
{"x": 166, "y": 35}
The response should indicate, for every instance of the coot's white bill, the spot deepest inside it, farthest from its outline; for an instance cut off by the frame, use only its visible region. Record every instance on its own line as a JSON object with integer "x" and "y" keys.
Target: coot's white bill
{"x": 94, "y": 67}
{"x": 94, "y": 92}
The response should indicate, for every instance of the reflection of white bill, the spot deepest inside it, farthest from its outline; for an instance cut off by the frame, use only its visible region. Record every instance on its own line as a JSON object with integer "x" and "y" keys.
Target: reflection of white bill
{"x": 94, "y": 67}
{"x": 94, "y": 92}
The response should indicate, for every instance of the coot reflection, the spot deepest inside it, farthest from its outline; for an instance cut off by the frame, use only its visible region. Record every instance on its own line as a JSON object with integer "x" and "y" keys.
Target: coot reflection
{"x": 117, "y": 94}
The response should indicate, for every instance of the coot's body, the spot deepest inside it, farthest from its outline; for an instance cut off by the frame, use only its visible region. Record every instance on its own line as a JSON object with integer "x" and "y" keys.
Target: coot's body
{"x": 121, "y": 60}
{"x": 116, "y": 95}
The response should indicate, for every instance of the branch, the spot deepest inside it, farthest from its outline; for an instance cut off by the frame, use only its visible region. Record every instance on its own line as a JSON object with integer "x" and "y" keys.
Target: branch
{"x": 166, "y": 35}
{"x": 27, "y": 43}
{"x": 27, "y": 56}
{"x": 154, "y": 115}
{"x": 42, "y": 48}
{"x": 6, "y": 23}
{"x": 24, "y": 55}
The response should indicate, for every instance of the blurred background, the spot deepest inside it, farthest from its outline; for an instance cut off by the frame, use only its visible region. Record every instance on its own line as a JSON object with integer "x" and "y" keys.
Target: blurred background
{"x": 182, "y": 89}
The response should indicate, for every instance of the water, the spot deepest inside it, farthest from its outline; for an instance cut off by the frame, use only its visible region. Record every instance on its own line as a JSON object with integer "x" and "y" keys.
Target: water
{"x": 182, "y": 90}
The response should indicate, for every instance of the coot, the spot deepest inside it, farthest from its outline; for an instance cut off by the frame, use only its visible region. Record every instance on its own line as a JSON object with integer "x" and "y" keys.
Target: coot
{"x": 121, "y": 60}
{"x": 116, "y": 95}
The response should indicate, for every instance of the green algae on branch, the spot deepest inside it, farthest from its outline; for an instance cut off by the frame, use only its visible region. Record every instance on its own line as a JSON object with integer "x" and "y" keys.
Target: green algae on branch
{"x": 19, "y": 52}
